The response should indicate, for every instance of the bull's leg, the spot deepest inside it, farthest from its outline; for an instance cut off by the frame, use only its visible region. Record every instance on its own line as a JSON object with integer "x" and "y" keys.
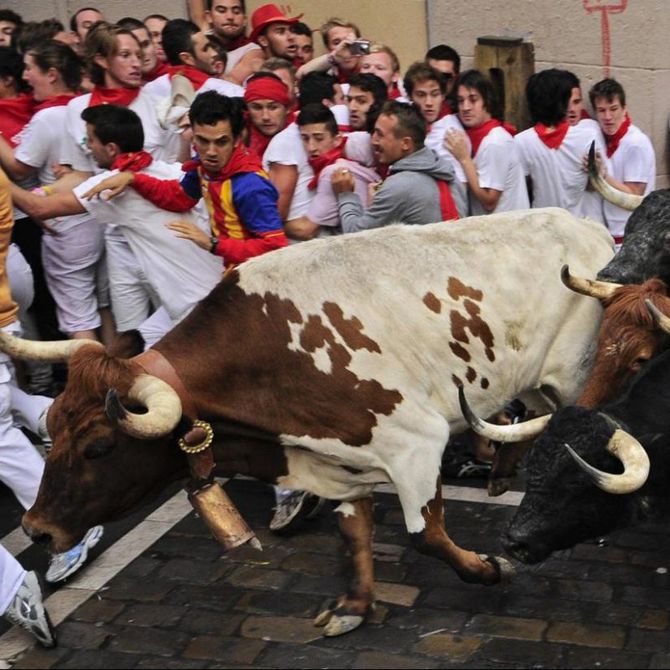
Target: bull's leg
{"x": 350, "y": 610}
{"x": 434, "y": 541}
{"x": 504, "y": 467}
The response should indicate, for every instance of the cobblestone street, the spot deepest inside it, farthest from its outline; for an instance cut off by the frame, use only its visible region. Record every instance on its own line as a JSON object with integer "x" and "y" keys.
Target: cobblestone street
{"x": 183, "y": 605}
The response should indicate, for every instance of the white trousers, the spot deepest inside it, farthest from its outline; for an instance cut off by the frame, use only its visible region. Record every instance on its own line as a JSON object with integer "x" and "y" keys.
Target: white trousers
{"x": 11, "y": 577}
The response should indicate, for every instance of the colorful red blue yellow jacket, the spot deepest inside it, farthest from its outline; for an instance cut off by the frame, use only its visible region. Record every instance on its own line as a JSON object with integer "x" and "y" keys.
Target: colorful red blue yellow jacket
{"x": 241, "y": 200}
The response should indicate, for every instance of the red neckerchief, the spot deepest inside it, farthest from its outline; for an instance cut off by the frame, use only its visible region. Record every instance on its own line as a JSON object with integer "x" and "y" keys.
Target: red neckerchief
{"x": 195, "y": 76}
{"x": 14, "y": 115}
{"x": 552, "y": 137}
{"x": 444, "y": 110}
{"x": 395, "y": 92}
{"x": 477, "y": 134}
{"x": 612, "y": 141}
{"x": 241, "y": 160}
{"x": 113, "y": 96}
{"x": 158, "y": 71}
{"x": 133, "y": 161}
{"x": 584, "y": 115}
{"x": 447, "y": 204}
{"x": 54, "y": 101}
{"x": 324, "y": 160}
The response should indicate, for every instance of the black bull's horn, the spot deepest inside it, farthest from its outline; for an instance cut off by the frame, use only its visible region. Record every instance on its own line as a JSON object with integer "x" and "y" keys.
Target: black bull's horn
{"x": 601, "y": 290}
{"x": 627, "y": 201}
{"x": 634, "y": 458}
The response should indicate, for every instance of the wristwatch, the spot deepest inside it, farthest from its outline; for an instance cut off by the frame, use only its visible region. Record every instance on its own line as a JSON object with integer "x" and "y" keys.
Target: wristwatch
{"x": 213, "y": 242}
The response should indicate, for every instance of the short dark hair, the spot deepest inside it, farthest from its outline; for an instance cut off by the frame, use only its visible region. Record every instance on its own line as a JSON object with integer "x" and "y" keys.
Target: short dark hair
{"x": 211, "y": 107}
{"x": 419, "y": 72}
{"x": 159, "y": 17}
{"x": 410, "y": 122}
{"x": 209, "y": 3}
{"x": 130, "y": 23}
{"x": 113, "y": 123}
{"x": 61, "y": 57}
{"x": 317, "y": 112}
{"x": 36, "y": 32}
{"x": 11, "y": 17}
{"x": 315, "y": 86}
{"x": 548, "y": 95}
{"x": 444, "y": 52}
{"x": 11, "y": 65}
{"x": 371, "y": 83}
{"x": 482, "y": 84}
{"x": 73, "y": 18}
{"x": 300, "y": 28}
{"x": 571, "y": 78}
{"x": 177, "y": 38}
{"x": 608, "y": 89}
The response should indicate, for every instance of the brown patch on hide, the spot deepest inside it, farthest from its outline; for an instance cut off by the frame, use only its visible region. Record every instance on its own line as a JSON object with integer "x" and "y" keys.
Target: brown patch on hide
{"x": 484, "y": 383}
{"x": 458, "y": 290}
{"x": 471, "y": 375}
{"x": 456, "y": 380}
{"x": 433, "y": 303}
{"x": 478, "y": 328}
{"x": 350, "y": 330}
{"x": 460, "y": 351}
{"x": 244, "y": 360}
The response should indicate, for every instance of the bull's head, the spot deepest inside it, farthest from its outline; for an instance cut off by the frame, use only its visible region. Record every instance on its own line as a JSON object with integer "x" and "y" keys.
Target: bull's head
{"x": 105, "y": 459}
{"x": 628, "y": 337}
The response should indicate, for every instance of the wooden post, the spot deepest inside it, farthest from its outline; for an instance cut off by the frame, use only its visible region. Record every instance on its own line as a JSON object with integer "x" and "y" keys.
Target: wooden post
{"x": 509, "y": 62}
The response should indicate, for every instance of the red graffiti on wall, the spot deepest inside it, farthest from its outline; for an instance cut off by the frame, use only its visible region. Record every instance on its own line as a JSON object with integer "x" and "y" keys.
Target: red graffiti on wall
{"x": 605, "y": 7}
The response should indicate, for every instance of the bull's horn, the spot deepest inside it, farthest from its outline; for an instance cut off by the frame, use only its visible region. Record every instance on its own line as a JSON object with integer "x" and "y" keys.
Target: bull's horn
{"x": 518, "y": 432}
{"x": 632, "y": 455}
{"x": 627, "y": 201}
{"x": 48, "y": 352}
{"x": 591, "y": 287}
{"x": 160, "y": 399}
{"x": 661, "y": 320}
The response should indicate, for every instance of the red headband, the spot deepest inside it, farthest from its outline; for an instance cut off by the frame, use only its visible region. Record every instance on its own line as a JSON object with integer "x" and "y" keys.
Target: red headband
{"x": 267, "y": 88}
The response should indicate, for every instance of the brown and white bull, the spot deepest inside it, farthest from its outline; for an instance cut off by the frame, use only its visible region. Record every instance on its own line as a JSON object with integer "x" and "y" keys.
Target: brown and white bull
{"x": 333, "y": 366}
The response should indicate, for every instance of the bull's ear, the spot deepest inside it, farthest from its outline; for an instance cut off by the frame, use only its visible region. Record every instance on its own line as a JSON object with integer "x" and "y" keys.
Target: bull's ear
{"x": 98, "y": 449}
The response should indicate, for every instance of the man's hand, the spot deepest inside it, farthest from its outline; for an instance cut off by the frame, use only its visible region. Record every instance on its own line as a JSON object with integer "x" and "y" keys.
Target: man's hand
{"x": 342, "y": 181}
{"x": 454, "y": 141}
{"x": 116, "y": 184}
{"x": 189, "y": 231}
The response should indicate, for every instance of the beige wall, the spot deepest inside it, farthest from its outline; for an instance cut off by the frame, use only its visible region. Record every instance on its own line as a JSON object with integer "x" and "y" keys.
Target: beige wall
{"x": 566, "y": 35}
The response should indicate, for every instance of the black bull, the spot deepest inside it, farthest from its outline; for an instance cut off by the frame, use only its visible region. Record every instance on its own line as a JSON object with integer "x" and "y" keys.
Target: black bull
{"x": 562, "y": 506}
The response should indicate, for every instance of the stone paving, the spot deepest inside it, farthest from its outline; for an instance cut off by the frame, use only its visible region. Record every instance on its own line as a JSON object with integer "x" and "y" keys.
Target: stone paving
{"x": 184, "y": 605}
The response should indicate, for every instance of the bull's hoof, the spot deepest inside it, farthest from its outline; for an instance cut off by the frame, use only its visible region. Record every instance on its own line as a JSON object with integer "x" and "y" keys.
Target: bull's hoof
{"x": 337, "y": 622}
{"x": 503, "y": 567}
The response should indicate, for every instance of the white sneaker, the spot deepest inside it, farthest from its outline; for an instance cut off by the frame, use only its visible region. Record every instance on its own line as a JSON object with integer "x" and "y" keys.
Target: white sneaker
{"x": 291, "y": 510}
{"x": 65, "y": 564}
{"x": 27, "y": 611}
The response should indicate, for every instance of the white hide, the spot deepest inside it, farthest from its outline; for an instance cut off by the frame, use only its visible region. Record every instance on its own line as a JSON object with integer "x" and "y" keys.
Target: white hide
{"x": 543, "y": 333}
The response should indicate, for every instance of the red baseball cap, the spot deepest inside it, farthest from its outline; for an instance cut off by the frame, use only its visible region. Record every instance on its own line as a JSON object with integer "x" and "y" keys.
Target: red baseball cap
{"x": 266, "y": 15}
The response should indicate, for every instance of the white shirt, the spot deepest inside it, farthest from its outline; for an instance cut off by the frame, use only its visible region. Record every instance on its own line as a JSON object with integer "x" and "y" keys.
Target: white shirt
{"x": 236, "y": 55}
{"x": 41, "y": 148}
{"x": 76, "y": 152}
{"x": 634, "y": 160}
{"x": 499, "y": 168}
{"x": 161, "y": 87}
{"x": 286, "y": 148}
{"x": 557, "y": 174}
{"x": 180, "y": 272}
{"x": 435, "y": 141}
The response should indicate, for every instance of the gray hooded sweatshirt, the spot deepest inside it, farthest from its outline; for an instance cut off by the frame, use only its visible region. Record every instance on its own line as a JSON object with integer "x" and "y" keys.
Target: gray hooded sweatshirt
{"x": 408, "y": 195}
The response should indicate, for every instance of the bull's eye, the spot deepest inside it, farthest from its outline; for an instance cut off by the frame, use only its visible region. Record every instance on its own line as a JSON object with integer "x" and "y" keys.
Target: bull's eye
{"x": 98, "y": 449}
